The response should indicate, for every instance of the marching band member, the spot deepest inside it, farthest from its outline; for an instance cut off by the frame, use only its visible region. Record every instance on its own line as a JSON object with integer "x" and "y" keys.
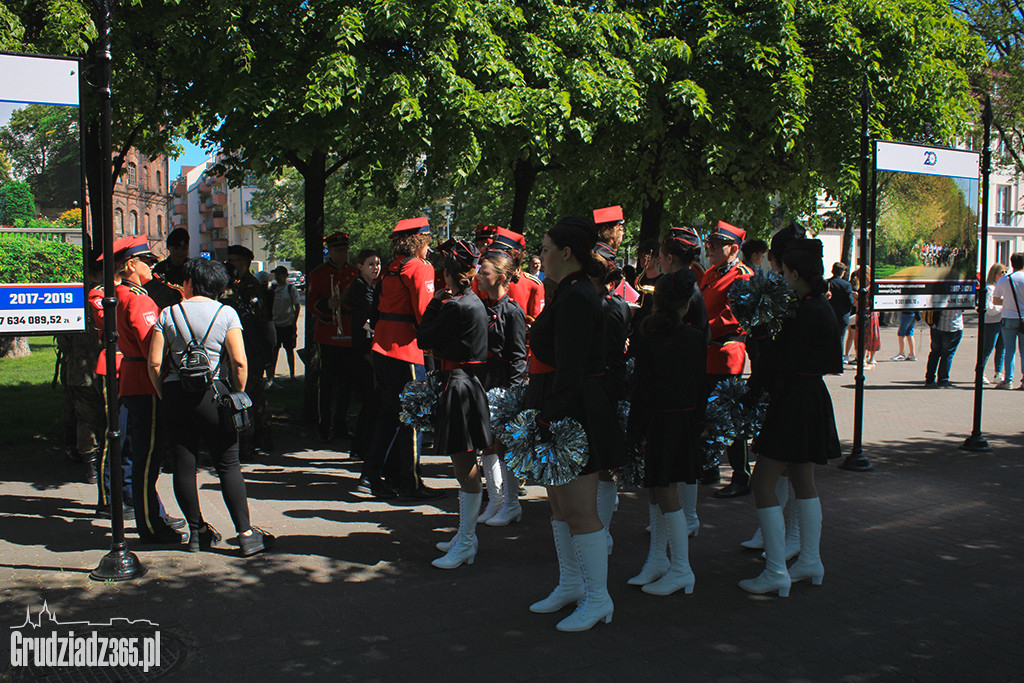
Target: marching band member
{"x": 333, "y": 336}
{"x": 799, "y": 427}
{"x": 667, "y": 401}
{"x": 564, "y": 382}
{"x": 406, "y": 288}
{"x": 506, "y": 367}
{"x": 727, "y": 352}
{"x": 454, "y": 328}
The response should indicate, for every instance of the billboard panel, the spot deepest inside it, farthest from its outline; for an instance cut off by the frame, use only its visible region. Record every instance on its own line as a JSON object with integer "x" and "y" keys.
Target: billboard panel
{"x": 926, "y": 227}
{"x": 42, "y": 235}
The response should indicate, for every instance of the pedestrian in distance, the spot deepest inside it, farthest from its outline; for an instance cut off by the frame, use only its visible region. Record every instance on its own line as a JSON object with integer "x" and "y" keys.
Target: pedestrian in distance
{"x": 1009, "y": 293}
{"x": 992, "y": 328}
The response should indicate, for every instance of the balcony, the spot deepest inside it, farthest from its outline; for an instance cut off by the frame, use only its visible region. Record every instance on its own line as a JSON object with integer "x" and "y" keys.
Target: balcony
{"x": 220, "y": 222}
{"x": 217, "y": 200}
{"x": 204, "y": 187}
{"x": 177, "y": 220}
{"x": 181, "y": 209}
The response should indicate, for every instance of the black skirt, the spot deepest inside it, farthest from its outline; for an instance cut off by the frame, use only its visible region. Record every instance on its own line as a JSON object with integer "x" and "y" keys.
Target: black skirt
{"x": 673, "y": 450}
{"x": 800, "y": 424}
{"x": 596, "y": 412}
{"x": 462, "y": 417}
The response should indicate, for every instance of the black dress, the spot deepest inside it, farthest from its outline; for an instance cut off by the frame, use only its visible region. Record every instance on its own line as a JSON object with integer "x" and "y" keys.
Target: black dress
{"x": 568, "y": 337}
{"x": 616, "y": 331}
{"x": 506, "y": 344}
{"x": 456, "y": 331}
{"x": 800, "y": 424}
{"x": 668, "y": 396}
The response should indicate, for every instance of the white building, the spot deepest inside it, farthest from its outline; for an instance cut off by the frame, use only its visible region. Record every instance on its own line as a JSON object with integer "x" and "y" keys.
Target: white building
{"x": 215, "y": 214}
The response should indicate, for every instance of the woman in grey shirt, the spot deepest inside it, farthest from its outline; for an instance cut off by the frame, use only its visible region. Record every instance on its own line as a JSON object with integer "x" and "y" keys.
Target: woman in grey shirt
{"x": 192, "y": 416}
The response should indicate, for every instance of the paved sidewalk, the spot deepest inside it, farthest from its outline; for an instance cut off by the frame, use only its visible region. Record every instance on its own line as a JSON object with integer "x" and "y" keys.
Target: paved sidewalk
{"x": 923, "y": 560}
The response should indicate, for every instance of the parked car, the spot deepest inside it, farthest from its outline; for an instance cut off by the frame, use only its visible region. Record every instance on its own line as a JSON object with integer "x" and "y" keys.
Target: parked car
{"x": 295, "y": 277}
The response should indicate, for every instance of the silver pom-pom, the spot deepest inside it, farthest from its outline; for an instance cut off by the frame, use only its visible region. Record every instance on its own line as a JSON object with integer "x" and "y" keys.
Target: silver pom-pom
{"x": 631, "y": 475}
{"x": 723, "y": 421}
{"x": 551, "y": 463}
{"x": 419, "y": 398}
{"x": 764, "y": 300}
{"x": 622, "y": 409}
{"x": 505, "y": 404}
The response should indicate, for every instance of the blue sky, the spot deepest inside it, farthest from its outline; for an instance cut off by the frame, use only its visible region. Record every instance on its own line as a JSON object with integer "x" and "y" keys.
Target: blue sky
{"x": 192, "y": 155}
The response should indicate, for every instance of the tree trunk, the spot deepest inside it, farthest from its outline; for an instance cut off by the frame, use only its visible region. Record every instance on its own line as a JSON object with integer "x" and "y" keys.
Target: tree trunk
{"x": 314, "y": 173}
{"x": 847, "y": 253}
{"x": 14, "y": 347}
{"x": 650, "y": 217}
{"x": 94, "y": 186}
{"x": 524, "y": 176}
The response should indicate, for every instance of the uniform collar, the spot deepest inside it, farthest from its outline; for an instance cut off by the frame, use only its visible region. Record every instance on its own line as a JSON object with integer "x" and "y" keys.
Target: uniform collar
{"x": 722, "y": 270}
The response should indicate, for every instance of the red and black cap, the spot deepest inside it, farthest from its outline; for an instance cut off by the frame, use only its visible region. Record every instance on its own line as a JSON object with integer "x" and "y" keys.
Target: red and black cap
{"x": 728, "y": 233}
{"x": 462, "y": 251}
{"x": 412, "y": 226}
{"x": 132, "y": 247}
{"x": 604, "y": 251}
{"x": 486, "y": 232}
{"x": 337, "y": 239}
{"x": 507, "y": 239}
{"x": 609, "y": 214}
{"x": 687, "y": 236}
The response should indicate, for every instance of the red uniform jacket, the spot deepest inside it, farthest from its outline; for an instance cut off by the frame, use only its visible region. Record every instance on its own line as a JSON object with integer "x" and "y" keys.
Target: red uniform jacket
{"x": 137, "y": 315}
{"x": 528, "y": 292}
{"x": 319, "y": 283}
{"x": 96, "y": 306}
{"x": 727, "y": 351}
{"x": 406, "y": 288}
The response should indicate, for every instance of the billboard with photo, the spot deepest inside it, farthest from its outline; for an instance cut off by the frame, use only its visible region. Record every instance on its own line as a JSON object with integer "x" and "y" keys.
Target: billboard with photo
{"x": 42, "y": 233}
{"x": 926, "y": 227}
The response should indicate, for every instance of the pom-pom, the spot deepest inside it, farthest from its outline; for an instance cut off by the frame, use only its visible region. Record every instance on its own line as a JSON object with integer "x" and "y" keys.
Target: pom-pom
{"x": 726, "y": 418}
{"x": 505, "y": 404}
{"x": 552, "y": 463}
{"x": 631, "y": 475}
{"x": 622, "y": 409}
{"x": 419, "y": 398}
{"x": 764, "y": 301}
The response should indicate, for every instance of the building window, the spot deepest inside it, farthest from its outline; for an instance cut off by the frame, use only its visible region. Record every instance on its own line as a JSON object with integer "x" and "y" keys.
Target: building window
{"x": 1003, "y": 205}
{"x": 118, "y": 222}
{"x": 159, "y": 182}
{"x": 1003, "y": 252}
{"x": 248, "y": 206}
{"x": 145, "y": 223}
{"x": 159, "y": 225}
{"x": 133, "y": 223}
{"x": 133, "y": 175}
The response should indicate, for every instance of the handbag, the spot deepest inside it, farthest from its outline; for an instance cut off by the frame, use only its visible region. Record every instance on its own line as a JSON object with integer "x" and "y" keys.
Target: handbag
{"x": 233, "y": 409}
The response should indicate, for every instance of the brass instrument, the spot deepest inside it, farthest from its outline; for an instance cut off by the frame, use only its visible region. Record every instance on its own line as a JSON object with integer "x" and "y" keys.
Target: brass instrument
{"x": 163, "y": 280}
{"x": 644, "y": 291}
{"x": 336, "y": 312}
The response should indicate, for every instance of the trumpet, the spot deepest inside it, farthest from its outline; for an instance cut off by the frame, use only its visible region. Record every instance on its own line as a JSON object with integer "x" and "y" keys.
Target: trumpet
{"x": 644, "y": 291}
{"x": 336, "y": 312}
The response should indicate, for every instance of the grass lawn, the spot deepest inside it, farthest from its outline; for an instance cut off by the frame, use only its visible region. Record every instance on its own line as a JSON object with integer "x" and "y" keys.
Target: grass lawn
{"x": 31, "y": 408}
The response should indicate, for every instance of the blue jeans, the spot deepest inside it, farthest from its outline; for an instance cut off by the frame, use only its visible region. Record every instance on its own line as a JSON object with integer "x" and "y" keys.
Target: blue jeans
{"x": 940, "y": 356}
{"x": 993, "y": 339}
{"x": 1012, "y": 338}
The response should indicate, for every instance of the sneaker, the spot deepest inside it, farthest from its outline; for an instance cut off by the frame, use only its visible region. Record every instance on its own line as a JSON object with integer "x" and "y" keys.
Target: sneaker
{"x": 204, "y": 539}
{"x": 984, "y": 380}
{"x": 998, "y": 378}
{"x": 898, "y": 356}
{"x": 911, "y": 357}
{"x": 1003, "y": 385}
{"x": 256, "y": 541}
{"x": 846, "y": 359}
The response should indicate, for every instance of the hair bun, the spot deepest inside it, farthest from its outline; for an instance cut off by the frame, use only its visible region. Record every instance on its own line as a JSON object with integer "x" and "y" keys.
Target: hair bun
{"x": 682, "y": 283}
{"x": 813, "y": 246}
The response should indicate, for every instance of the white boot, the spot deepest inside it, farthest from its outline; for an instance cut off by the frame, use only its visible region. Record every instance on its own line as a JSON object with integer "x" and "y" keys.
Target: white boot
{"x": 679, "y": 575}
{"x": 607, "y": 497}
{"x": 569, "y": 590}
{"x": 592, "y": 553}
{"x": 464, "y": 546}
{"x": 510, "y": 510}
{"x": 443, "y": 546}
{"x": 793, "y": 530}
{"x": 493, "y": 479}
{"x": 782, "y": 493}
{"x": 688, "y": 501}
{"x": 808, "y": 565}
{"x": 656, "y": 563}
{"x": 775, "y": 577}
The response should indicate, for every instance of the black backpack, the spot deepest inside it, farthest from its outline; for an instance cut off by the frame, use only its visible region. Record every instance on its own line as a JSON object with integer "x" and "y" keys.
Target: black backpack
{"x": 195, "y": 371}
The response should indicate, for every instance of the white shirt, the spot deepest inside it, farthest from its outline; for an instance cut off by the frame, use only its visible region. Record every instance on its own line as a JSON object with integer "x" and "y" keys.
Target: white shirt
{"x": 1002, "y": 290}
{"x": 285, "y": 301}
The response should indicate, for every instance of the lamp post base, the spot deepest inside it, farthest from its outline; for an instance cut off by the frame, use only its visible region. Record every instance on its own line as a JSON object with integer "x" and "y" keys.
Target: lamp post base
{"x": 976, "y": 443}
{"x": 120, "y": 564}
{"x": 856, "y": 462}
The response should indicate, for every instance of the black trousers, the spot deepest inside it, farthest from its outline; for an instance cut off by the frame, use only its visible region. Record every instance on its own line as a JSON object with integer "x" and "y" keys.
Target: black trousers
{"x": 365, "y": 388}
{"x": 739, "y": 459}
{"x": 141, "y": 455}
{"x": 337, "y": 365}
{"x": 395, "y": 448}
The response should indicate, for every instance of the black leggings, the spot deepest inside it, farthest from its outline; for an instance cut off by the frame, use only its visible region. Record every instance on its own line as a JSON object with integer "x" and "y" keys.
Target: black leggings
{"x": 189, "y": 417}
